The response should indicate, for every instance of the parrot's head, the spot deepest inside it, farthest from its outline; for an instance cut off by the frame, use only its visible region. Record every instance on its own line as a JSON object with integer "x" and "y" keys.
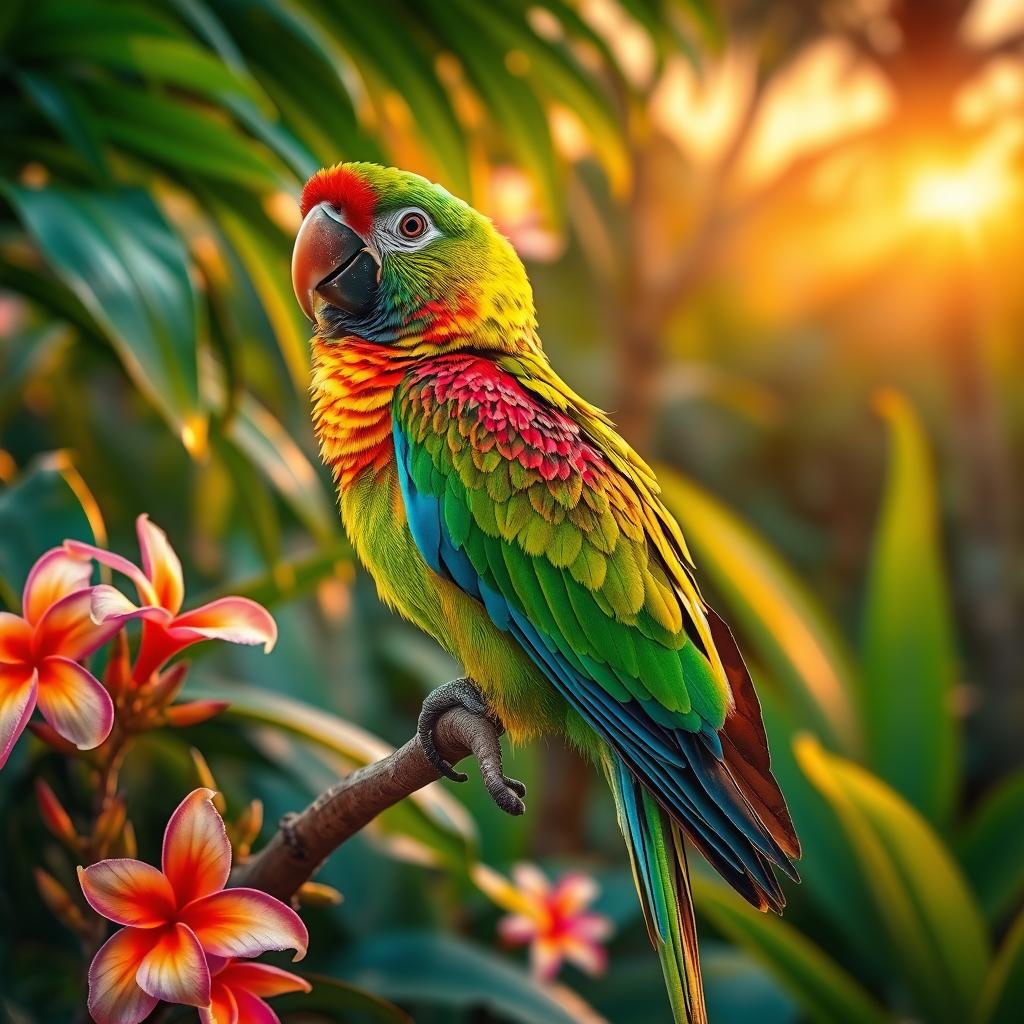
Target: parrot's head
{"x": 389, "y": 257}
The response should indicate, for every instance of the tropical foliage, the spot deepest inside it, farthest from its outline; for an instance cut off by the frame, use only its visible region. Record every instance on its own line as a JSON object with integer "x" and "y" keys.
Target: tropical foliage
{"x": 742, "y": 300}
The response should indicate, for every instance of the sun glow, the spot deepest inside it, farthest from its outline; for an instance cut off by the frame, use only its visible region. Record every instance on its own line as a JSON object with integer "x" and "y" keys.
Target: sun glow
{"x": 961, "y": 196}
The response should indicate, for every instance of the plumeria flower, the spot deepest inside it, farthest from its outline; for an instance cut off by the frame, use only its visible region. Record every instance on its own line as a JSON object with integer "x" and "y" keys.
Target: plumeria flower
{"x": 165, "y": 629}
{"x": 40, "y": 651}
{"x": 239, "y": 988}
{"x": 552, "y": 919}
{"x": 176, "y": 921}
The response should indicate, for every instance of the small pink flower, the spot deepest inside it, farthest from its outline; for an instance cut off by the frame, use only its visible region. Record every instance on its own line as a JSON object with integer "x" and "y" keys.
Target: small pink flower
{"x": 40, "y": 651}
{"x": 238, "y": 991}
{"x": 165, "y": 629}
{"x": 178, "y": 921}
{"x": 553, "y": 920}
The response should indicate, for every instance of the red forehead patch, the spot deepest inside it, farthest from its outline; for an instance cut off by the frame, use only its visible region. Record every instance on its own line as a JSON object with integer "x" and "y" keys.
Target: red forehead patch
{"x": 348, "y": 193}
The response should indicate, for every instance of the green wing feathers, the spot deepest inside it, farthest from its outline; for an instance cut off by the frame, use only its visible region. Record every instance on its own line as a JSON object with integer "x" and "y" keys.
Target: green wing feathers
{"x": 525, "y": 498}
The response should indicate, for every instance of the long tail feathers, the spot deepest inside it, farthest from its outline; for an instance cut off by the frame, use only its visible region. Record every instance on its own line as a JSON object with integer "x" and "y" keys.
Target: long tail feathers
{"x": 658, "y": 858}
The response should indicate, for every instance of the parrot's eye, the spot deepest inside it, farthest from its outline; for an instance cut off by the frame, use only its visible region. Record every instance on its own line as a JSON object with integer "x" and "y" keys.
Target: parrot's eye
{"x": 412, "y": 225}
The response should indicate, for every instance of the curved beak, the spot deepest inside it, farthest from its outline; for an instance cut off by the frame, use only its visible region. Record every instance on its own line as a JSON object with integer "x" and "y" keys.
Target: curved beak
{"x": 332, "y": 261}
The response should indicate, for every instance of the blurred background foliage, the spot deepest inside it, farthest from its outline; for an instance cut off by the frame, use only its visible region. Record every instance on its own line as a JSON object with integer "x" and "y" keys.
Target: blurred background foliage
{"x": 779, "y": 241}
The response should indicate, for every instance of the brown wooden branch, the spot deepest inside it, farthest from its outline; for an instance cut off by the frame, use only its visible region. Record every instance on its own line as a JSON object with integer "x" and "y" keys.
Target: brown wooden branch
{"x": 305, "y": 840}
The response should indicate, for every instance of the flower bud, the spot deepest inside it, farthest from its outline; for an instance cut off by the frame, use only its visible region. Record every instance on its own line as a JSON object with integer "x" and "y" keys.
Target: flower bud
{"x": 109, "y": 824}
{"x": 54, "y": 816}
{"x": 59, "y": 901}
{"x": 207, "y": 780}
{"x": 316, "y": 894}
{"x": 247, "y": 828}
{"x": 193, "y": 713}
{"x": 167, "y": 685}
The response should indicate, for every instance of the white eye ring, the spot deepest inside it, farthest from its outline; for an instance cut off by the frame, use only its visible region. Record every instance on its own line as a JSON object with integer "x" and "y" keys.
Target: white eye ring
{"x": 408, "y": 230}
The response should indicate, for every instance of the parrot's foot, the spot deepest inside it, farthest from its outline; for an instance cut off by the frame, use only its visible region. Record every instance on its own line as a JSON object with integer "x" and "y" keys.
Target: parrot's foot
{"x": 462, "y": 693}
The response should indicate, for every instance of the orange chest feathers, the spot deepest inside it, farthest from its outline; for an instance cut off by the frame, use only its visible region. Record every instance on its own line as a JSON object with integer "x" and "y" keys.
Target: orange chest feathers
{"x": 353, "y": 384}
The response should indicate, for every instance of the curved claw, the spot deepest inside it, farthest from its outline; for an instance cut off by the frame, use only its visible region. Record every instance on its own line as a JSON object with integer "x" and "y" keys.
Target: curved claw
{"x": 461, "y": 693}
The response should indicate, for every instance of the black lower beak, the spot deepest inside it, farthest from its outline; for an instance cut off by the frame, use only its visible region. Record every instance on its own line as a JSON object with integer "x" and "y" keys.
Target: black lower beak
{"x": 332, "y": 261}
{"x": 353, "y": 284}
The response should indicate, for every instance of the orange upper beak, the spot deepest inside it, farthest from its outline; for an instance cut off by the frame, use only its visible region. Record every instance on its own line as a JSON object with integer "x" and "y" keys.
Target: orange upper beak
{"x": 332, "y": 261}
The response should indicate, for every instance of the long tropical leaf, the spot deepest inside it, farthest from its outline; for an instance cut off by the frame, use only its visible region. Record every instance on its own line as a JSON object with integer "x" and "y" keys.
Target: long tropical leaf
{"x": 991, "y": 849}
{"x": 933, "y": 925}
{"x": 908, "y": 652}
{"x": 827, "y": 993}
{"x": 126, "y": 265}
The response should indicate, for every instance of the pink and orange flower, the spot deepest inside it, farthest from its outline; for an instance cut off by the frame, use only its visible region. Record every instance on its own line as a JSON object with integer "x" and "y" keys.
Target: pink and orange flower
{"x": 239, "y": 989}
{"x": 180, "y": 924}
{"x": 166, "y": 630}
{"x": 41, "y": 652}
{"x": 552, "y": 919}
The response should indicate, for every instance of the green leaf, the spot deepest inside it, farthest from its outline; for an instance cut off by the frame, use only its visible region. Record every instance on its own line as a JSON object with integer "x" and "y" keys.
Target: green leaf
{"x": 121, "y": 259}
{"x": 908, "y": 655}
{"x": 175, "y": 61}
{"x": 432, "y": 818}
{"x": 932, "y": 924}
{"x": 185, "y": 140}
{"x": 339, "y": 1001}
{"x": 47, "y": 504}
{"x": 446, "y": 971}
{"x": 783, "y": 622}
{"x": 257, "y": 245}
{"x": 407, "y": 72}
{"x": 991, "y": 849}
{"x": 61, "y": 104}
{"x": 826, "y": 992}
{"x": 511, "y": 100}
{"x": 1003, "y": 995}
{"x": 272, "y": 451}
{"x": 829, "y": 873}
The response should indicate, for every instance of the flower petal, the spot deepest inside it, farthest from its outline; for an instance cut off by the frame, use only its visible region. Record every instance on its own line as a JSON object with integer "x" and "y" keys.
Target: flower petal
{"x": 109, "y": 604}
{"x": 196, "y": 852}
{"x": 573, "y": 892}
{"x": 222, "y": 1009}
{"x": 545, "y": 958}
{"x": 18, "y": 689}
{"x": 15, "y": 639}
{"x": 532, "y": 882}
{"x": 74, "y": 702}
{"x": 175, "y": 969}
{"x": 591, "y": 927}
{"x": 128, "y": 892}
{"x": 262, "y": 979}
{"x": 517, "y": 929}
{"x": 118, "y": 564}
{"x": 114, "y": 994}
{"x": 235, "y": 619}
{"x": 253, "y": 1010}
{"x": 68, "y": 628}
{"x": 55, "y": 575}
{"x": 588, "y": 956}
{"x": 160, "y": 564}
{"x": 245, "y": 922}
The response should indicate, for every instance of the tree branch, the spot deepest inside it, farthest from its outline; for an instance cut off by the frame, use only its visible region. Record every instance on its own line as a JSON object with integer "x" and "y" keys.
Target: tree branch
{"x": 305, "y": 840}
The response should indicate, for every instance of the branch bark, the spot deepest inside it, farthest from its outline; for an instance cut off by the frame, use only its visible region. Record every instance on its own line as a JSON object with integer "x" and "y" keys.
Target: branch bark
{"x": 305, "y": 840}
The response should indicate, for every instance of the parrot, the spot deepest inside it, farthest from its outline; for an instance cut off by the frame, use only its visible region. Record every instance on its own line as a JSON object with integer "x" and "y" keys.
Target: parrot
{"x": 503, "y": 515}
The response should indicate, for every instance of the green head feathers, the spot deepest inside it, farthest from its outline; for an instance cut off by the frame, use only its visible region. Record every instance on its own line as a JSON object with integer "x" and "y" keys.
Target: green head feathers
{"x": 390, "y": 257}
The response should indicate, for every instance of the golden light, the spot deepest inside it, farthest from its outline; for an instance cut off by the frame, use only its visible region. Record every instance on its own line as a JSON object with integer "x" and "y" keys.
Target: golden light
{"x": 961, "y": 196}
